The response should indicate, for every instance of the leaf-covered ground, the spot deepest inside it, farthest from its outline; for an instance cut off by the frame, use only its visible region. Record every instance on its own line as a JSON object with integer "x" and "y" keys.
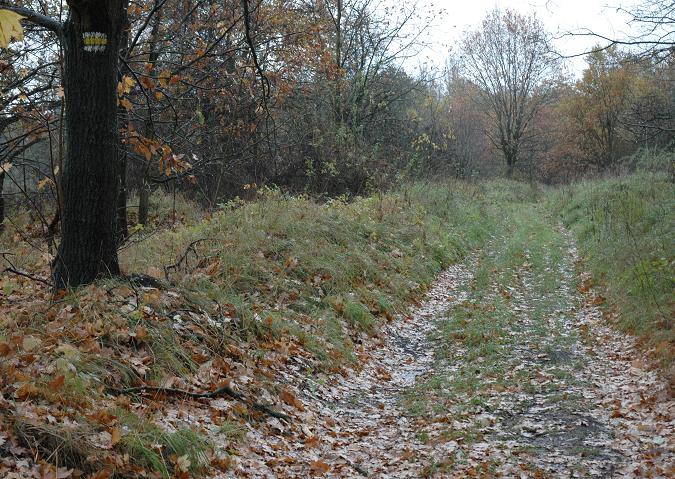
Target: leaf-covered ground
{"x": 506, "y": 369}
{"x": 507, "y": 366}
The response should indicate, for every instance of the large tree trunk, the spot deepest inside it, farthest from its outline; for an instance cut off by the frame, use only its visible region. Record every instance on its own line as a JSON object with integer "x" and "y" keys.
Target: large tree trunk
{"x": 510, "y": 151}
{"x": 2, "y": 201}
{"x": 88, "y": 247}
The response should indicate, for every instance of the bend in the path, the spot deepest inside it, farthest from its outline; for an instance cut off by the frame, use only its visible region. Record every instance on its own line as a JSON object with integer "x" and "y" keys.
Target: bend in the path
{"x": 504, "y": 370}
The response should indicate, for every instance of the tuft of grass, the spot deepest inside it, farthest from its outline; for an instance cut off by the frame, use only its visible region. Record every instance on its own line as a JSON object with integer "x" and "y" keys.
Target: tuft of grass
{"x": 65, "y": 446}
{"x": 232, "y": 431}
{"x": 157, "y": 449}
{"x": 358, "y": 316}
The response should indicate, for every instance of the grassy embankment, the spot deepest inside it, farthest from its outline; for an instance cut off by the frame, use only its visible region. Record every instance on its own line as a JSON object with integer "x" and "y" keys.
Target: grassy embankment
{"x": 283, "y": 262}
{"x": 625, "y": 228}
{"x": 249, "y": 279}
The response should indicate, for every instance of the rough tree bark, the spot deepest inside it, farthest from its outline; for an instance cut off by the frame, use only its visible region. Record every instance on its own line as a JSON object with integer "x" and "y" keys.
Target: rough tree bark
{"x": 91, "y": 40}
{"x": 2, "y": 201}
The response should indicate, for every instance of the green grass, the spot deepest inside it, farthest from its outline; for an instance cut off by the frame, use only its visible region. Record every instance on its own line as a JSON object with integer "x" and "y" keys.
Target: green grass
{"x": 320, "y": 272}
{"x": 482, "y": 338}
{"x": 282, "y": 267}
{"x": 327, "y": 273}
{"x": 150, "y": 446}
{"x": 625, "y": 228}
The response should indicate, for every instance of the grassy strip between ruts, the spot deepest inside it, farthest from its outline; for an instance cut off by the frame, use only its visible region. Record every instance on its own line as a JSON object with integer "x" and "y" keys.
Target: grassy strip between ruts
{"x": 488, "y": 344}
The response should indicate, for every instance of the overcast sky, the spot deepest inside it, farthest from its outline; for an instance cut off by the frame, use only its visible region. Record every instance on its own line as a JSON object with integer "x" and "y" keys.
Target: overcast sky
{"x": 558, "y": 16}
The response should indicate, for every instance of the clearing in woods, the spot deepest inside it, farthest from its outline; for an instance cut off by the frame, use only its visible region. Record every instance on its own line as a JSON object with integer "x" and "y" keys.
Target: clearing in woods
{"x": 507, "y": 368}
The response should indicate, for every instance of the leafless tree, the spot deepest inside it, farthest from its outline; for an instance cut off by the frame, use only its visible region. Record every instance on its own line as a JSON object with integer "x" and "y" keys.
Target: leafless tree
{"x": 510, "y": 61}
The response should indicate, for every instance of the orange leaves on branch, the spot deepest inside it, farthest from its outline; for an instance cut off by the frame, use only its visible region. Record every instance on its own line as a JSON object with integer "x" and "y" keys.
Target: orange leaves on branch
{"x": 126, "y": 104}
{"x": 125, "y": 85}
{"x": 10, "y": 27}
{"x": 44, "y": 182}
{"x": 164, "y": 78}
{"x": 171, "y": 163}
{"x": 145, "y": 147}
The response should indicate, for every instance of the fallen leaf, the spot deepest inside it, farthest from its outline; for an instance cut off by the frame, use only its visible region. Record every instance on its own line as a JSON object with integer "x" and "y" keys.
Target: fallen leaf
{"x": 25, "y": 391}
{"x": 57, "y": 383}
{"x": 319, "y": 467}
{"x": 115, "y": 436}
{"x": 183, "y": 463}
{"x": 30, "y": 343}
{"x": 289, "y": 398}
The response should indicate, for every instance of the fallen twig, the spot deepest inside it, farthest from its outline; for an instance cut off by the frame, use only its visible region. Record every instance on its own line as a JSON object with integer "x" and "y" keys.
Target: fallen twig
{"x": 12, "y": 269}
{"x": 223, "y": 390}
{"x": 184, "y": 258}
{"x": 29, "y": 276}
{"x": 146, "y": 281}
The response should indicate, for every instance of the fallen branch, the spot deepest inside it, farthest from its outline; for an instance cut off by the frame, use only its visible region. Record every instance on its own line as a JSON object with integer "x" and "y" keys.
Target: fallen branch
{"x": 29, "y": 276}
{"x": 184, "y": 258}
{"x": 221, "y": 391}
{"x": 146, "y": 281}
{"x": 12, "y": 269}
